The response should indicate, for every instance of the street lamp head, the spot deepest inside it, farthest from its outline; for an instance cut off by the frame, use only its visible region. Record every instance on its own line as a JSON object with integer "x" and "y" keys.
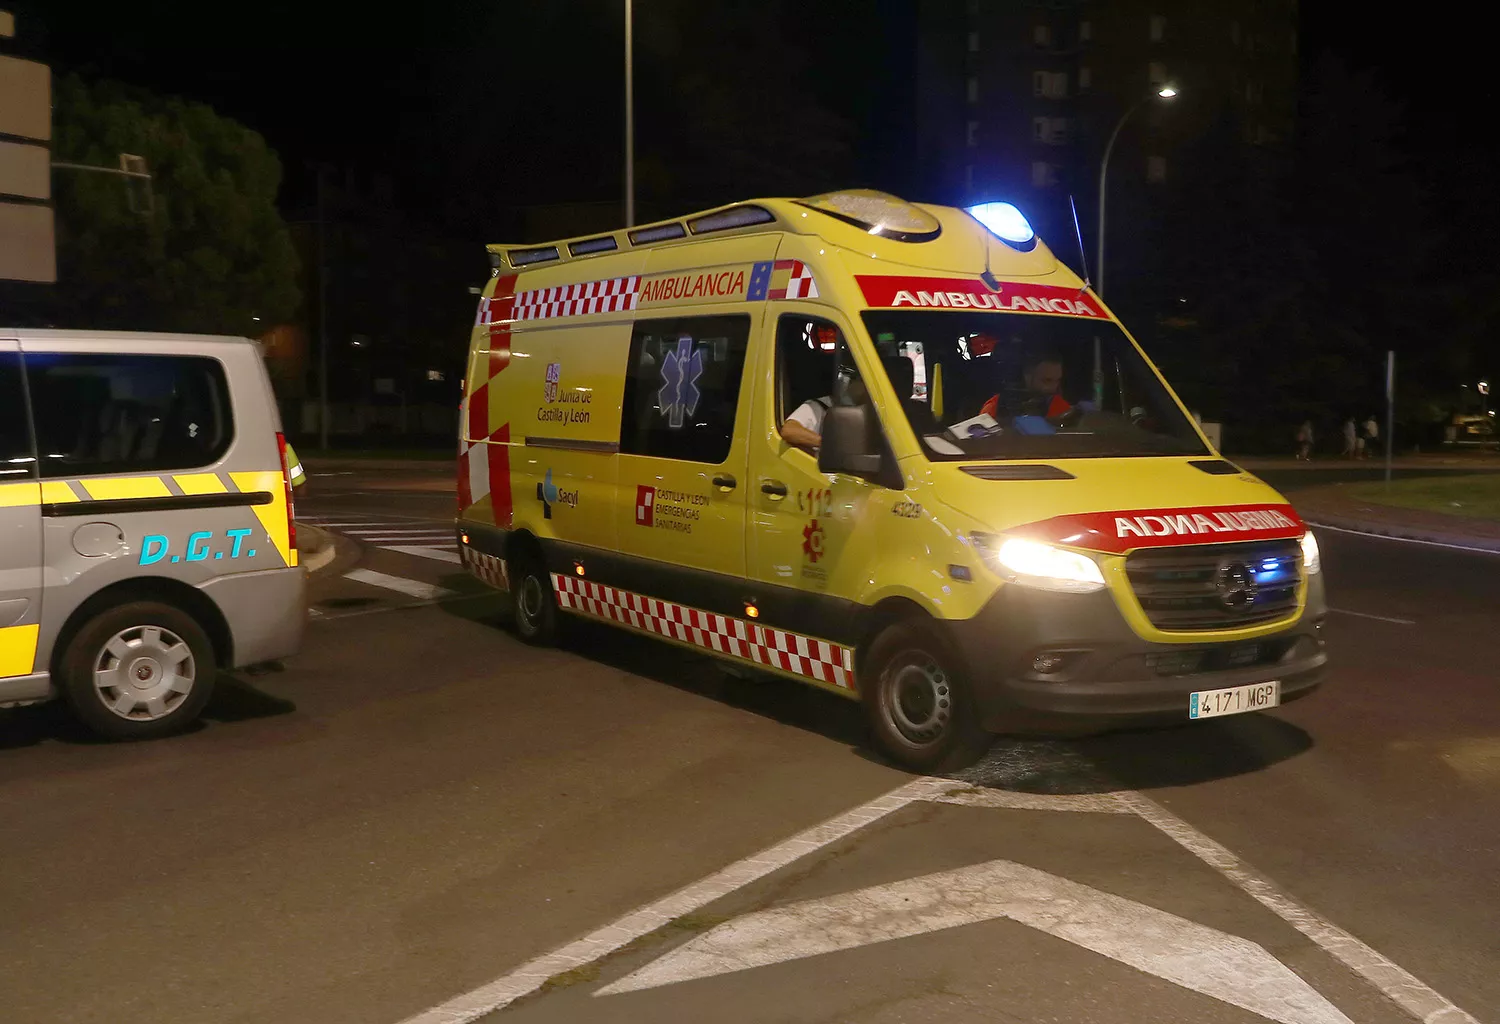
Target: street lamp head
{"x": 1167, "y": 92}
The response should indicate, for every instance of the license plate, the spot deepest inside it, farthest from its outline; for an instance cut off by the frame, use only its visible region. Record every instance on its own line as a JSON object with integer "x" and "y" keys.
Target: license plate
{"x": 1234, "y": 700}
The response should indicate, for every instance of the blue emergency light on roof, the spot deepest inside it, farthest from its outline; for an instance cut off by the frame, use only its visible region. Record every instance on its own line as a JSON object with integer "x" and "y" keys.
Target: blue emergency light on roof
{"x": 1005, "y": 222}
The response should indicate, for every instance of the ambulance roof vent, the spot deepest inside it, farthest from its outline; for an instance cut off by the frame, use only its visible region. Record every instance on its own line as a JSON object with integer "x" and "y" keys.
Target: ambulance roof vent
{"x": 604, "y": 243}
{"x": 537, "y": 254}
{"x": 657, "y": 233}
{"x": 734, "y": 217}
{"x": 879, "y": 213}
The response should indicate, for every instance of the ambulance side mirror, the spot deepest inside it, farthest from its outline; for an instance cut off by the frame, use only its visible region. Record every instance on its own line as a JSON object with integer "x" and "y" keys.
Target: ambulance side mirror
{"x": 851, "y": 441}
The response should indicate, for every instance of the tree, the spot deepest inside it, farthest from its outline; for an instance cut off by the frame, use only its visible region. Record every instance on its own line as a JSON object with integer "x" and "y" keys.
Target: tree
{"x": 210, "y": 253}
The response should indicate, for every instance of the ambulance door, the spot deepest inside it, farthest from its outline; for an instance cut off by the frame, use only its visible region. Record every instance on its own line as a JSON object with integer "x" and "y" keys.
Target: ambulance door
{"x": 809, "y": 531}
{"x": 682, "y": 488}
{"x": 20, "y": 533}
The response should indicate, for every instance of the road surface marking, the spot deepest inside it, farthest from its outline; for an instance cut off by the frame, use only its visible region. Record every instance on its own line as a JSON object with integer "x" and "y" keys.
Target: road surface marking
{"x": 1194, "y": 956}
{"x": 531, "y": 975}
{"x": 1378, "y": 618}
{"x": 441, "y": 554}
{"x": 1399, "y": 985}
{"x": 412, "y": 588}
{"x": 978, "y": 796}
{"x": 1406, "y": 540}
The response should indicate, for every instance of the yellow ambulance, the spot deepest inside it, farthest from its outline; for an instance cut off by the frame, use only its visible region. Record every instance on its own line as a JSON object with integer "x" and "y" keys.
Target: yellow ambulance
{"x": 894, "y": 450}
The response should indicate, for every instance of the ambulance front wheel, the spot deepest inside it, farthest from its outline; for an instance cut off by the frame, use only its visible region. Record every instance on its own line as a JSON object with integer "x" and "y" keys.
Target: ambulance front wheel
{"x": 535, "y": 604}
{"x": 138, "y": 670}
{"x": 918, "y": 701}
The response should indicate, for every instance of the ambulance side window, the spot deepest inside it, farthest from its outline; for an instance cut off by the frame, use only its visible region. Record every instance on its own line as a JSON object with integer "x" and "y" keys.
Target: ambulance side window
{"x": 806, "y": 356}
{"x": 16, "y": 461}
{"x": 682, "y": 387}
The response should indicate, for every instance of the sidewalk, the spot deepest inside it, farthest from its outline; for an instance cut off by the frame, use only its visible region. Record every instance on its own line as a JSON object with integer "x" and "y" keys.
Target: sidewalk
{"x": 1330, "y": 505}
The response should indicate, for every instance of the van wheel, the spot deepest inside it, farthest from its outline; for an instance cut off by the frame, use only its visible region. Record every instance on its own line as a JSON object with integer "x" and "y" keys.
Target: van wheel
{"x": 535, "y": 604}
{"x": 919, "y": 702}
{"x": 139, "y": 670}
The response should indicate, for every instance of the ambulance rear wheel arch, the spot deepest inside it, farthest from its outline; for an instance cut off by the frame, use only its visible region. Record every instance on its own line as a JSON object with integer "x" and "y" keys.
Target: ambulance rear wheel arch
{"x": 190, "y": 600}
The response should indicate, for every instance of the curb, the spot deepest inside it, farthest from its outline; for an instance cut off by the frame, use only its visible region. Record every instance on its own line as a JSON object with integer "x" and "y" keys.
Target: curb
{"x": 1386, "y": 531}
{"x": 323, "y": 550}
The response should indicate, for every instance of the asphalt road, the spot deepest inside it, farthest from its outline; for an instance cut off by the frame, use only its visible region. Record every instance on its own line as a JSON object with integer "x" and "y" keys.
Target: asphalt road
{"x": 419, "y": 805}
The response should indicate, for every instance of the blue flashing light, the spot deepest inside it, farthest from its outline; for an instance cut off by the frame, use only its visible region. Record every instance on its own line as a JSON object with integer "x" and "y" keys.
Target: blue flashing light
{"x": 1004, "y": 221}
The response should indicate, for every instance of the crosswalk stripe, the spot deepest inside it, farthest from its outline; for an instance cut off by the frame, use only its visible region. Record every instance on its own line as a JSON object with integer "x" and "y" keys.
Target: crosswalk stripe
{"x": 440, "y": 554}
{"x": 412, "y": 588}
{"x": 446, "y": 538}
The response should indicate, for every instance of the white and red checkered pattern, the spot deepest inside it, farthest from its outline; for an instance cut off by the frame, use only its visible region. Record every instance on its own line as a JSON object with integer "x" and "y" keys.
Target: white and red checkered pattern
{"x": 736, "y": 638}
{"x": 791, "y": 279}
{"x": 801, "y": 284}
{"x": 616, "y": 295}
{"x": 485, "y": 567}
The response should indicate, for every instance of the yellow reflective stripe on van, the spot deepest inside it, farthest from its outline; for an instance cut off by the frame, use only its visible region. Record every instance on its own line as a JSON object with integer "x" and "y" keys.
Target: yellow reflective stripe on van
{"x": 55, "y": 492}
{"x": 19, "y": 495}
{"x": 200, "y": 483}
{"x": 18, "y": 649}
{"x": 272, "y": 516}
{"x": 108, "y": 488}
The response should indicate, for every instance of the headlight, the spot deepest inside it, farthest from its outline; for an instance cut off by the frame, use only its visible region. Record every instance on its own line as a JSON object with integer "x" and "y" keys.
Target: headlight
{"x": 1034, "y": 564}
{"x": 1312, "y": 561}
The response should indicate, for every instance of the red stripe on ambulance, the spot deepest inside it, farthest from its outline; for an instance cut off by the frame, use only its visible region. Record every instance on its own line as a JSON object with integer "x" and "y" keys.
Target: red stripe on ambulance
{"x": 904, "y": 292}
{"x": 1126, "y": 530}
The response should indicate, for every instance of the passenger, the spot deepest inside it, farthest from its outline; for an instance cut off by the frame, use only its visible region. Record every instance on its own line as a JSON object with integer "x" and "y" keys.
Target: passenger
{"x": 804, "y": 427}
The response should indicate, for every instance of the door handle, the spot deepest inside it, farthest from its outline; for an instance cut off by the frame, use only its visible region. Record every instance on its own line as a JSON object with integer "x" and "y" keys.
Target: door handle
{"x": 775, "y": 488}
{"x": 725, "y": 481}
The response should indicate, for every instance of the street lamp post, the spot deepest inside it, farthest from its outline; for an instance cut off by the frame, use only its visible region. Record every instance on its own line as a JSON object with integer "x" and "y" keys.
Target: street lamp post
{"x": 629, "y": 119}
{"x": 1166, "y": 92}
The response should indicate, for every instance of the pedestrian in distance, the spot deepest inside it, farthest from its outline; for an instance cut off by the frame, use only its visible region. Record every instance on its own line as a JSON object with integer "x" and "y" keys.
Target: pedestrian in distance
{"x": 1351, "y": 438}
{"x": 1305, "y": 441}
{"x": 1371, "y": 439}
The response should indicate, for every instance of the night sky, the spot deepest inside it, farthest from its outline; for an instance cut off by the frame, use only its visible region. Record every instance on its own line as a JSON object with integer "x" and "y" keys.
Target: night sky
{"x": 461, "y": 102}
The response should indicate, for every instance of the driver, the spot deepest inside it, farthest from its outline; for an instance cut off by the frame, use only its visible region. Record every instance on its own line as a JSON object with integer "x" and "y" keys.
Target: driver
{"x": 1043, "y": 373}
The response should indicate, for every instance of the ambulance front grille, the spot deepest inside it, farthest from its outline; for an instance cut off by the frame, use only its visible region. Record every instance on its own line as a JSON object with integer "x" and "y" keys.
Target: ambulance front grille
{"x": 1217, "y": 586}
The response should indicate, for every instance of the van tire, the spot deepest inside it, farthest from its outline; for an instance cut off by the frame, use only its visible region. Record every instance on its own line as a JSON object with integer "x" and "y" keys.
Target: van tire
{"x": 158, "y": 649}
{"x": 534, "y": 604}
{"x": 918, "y": 700}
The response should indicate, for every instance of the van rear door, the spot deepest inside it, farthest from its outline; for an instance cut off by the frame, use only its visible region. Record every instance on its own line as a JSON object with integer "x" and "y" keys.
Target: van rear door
{"x": 20, "y": 535}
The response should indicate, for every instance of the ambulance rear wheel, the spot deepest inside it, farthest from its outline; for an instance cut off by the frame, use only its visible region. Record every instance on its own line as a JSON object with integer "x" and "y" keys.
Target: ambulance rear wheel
{"x": 535, "y": 604}
{"x": 139, "y": 670}
{"x": 918, "y": 701}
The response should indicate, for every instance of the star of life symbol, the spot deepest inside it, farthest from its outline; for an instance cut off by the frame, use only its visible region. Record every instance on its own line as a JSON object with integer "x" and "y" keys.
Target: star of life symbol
{"x": 680, "y": 371}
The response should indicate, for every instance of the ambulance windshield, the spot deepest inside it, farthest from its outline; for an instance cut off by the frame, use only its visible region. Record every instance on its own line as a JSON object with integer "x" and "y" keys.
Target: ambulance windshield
{"x": 990, "y": 386}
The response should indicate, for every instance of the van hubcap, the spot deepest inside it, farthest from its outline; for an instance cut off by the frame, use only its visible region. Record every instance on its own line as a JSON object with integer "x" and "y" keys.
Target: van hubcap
{"x": 144, "y": 673}
{"x": 531, "y": 599}
{"x": 920, "y": 698}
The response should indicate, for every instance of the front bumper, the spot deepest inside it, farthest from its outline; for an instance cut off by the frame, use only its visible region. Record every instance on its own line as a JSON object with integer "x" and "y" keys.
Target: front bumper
{"x": 1108, "y": 676}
